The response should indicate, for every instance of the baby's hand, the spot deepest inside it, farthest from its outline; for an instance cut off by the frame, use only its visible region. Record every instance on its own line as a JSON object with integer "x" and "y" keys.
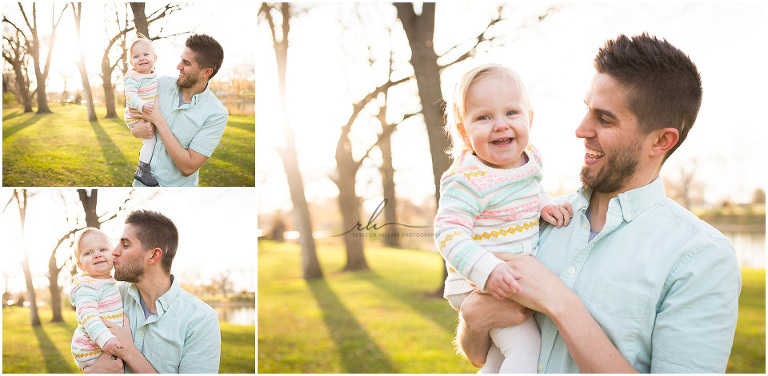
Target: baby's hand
{"x": 111, "y": 346}
{"x": 147, "y": 108}
{"x": 558, "y": 215}
{"x": 502, "y": 282}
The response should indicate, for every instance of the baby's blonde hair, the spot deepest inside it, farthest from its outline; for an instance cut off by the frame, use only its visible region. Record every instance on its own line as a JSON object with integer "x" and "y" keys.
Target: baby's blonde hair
{"x": 79, "y": 238}
{"x": 454, "y": 119}
{"x": 140, "y": 38}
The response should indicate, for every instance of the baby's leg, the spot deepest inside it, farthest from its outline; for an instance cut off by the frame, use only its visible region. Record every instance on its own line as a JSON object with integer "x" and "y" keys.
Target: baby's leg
{"x": 145, "y": 154}
{"x": 519, "y": 345}
{"x": 493, "y": 361}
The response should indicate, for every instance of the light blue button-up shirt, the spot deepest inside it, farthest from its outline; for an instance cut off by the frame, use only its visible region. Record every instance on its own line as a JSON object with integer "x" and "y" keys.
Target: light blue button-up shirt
{"x": 662, "y": 284}
{"x": 198, "y": 125}
{"x": 184, "y": 335}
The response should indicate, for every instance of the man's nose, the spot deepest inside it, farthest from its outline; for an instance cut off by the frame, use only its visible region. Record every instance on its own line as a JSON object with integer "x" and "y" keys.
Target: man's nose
{"x": 584, "y": 130}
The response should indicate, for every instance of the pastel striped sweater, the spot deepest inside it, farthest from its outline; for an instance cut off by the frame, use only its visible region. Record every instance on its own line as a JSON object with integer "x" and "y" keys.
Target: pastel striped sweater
{"x": 95, "y": 299}
{"x": 483, "y": 210}
{"x": 140, "y": 88}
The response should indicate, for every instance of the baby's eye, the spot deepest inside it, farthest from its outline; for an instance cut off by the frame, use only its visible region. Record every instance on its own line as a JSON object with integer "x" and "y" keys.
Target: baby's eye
{"x": 511, "y": 112}
{"x": 483, "y": 117}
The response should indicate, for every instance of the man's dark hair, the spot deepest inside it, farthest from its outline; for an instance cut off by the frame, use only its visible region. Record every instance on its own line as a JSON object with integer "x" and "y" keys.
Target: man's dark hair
{"x": 155, "y": 230}
{"x": 664, "y": 84}
{"x": 208, "y": 52}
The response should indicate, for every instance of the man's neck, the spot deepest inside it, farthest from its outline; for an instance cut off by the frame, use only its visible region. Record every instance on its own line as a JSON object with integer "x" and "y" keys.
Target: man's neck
{"x": 152, "y": 286}
{"x": 188, "y": 92}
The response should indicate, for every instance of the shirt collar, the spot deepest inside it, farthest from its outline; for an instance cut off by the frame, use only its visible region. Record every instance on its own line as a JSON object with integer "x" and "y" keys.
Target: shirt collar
{"x": 164, "y": 302}
{"x": 630, "y": 203}
{"x": 197, "y": 97}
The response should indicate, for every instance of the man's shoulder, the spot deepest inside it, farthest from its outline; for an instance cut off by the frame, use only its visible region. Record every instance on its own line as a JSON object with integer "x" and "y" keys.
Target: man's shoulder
{"x": 196, "y": 305}
{"x": 698, "y": 228}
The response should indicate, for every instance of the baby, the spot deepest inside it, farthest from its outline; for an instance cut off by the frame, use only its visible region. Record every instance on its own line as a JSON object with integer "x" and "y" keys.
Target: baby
{"x": 140, "y": 92}
{"x": 96, "y": 297}
{"x": 491, "y": 202}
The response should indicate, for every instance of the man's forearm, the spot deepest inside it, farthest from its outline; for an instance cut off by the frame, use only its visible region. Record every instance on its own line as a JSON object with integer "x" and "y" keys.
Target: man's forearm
{"x": 589, "y": 346}
{"x": 187, "y": 161}
{"x": 137, "y": 362}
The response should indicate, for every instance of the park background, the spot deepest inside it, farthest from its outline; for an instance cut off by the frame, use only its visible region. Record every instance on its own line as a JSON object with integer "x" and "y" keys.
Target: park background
{"x": 215, "y": 261}
{"x": 344, "y": 144}
{"x": 74, "y": 134}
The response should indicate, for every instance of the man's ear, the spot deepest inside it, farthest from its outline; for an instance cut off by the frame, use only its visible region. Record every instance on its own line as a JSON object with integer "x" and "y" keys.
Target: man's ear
{"x": 208, "y": 72}
{"x": 663, "y": 140}
{"x": 156, "y": 254}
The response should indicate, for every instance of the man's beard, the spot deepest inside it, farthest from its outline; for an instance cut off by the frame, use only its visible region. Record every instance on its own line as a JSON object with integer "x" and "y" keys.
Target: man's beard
{"x": 617, "y": 170}
{"x": 129, "y": 271}
{"x": 188, "y": 82}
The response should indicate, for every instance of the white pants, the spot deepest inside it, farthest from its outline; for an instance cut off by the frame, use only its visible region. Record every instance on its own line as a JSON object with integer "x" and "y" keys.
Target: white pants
{"x": 148, "y": 146}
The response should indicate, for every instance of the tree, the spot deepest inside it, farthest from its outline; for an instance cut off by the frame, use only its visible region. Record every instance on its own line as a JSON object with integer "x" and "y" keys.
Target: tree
{"x": 33, "y": 41}
{"x": 140, "y": 19}
{"x": 15, "y": 53}
{"x": 310, "y": 265}
{"x": 21, "y": 196}
{"x": 77, "y": 11}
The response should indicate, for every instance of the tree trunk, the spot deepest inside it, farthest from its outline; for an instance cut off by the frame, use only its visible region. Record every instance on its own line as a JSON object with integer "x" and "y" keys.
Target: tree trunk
{"x": 89, "y": 201}
{"x": 77, "y": 10}
{"x": 21, "y": 200}
{"x": 22, "y": 89}
{"x": 310, "y": 265}
{"x": 140, "y": 19}
{"x": 420, "y": 31}
{"x": 391, "y": 238}
{"x": 349, "y": 204}
{"x": 54, "y": 289}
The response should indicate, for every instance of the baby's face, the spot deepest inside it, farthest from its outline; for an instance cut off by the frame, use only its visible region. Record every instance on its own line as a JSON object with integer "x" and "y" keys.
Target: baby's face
{"x": 143, "y": 57}
{"x": 95, "y": 255}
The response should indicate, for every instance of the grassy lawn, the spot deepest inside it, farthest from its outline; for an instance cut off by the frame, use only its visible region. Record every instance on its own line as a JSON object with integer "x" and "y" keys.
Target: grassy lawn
{"x": 64, "y": 149}
{"x": 45, "y": 349}
{"x": 387, "y": 321}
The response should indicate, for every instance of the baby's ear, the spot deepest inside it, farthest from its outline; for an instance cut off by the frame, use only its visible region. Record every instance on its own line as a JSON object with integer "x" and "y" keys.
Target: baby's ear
{"x": 80, "y": 265}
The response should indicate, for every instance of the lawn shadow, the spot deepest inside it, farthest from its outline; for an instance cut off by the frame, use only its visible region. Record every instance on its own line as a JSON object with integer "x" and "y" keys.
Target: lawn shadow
{"x": 417, "y": 300}
{"x": 15, "y": 114}
{"x": 54, "y": 361}
{"x": 112, "y": 155}
{"x": 14, "y": 129}
{"x": 359, "y": 352}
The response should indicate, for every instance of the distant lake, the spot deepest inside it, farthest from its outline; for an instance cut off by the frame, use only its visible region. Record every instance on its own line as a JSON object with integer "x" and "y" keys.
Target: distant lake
{"x": 750, "y": 248}
{"x": 235, "y": 313}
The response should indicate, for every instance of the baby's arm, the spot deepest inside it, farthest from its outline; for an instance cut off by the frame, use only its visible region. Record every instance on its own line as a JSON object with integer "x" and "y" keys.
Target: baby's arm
{"x": 111, "y": 346}
{"x": 132, "y": 98}
{"x": 454, "y": 222}
{"x": 551, "y": 212}
{"x": 87, "y": 304}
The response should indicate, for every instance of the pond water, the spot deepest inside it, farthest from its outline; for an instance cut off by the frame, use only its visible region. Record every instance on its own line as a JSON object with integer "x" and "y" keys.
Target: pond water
{"x": 750, "y": 248}
{"x": 236, "y": 314}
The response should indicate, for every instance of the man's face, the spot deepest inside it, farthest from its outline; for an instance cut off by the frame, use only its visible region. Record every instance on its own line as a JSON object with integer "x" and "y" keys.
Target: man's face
{"x": 190, "y": 72}
{"x": 611, "y": 137}
{"x": 129, "y": 257}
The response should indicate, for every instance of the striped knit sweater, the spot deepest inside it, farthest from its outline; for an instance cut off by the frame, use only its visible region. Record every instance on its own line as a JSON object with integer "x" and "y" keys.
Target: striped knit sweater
{"x": 95, "y": 299}
{"x": 140, "y": 88}
{"x": 483, "y": 210}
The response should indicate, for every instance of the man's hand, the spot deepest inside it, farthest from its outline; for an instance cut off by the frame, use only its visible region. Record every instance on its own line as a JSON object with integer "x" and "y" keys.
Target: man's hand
{"x": 112, "y": 346}
{"x": 147, "y": 108}
{"x": 123, "y": 334}
{"x": 558, "y": 215}
{"x": 142, "y": 129}
{"x": 479, "y": 314}
{"x": 106, "y": 363}
{"x": 154, "y": 117}
{"x": 501, "y": 283}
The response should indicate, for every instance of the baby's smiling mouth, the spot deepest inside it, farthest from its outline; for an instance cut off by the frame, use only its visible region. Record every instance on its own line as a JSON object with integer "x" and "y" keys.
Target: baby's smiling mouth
{"x": 503, "y": 141}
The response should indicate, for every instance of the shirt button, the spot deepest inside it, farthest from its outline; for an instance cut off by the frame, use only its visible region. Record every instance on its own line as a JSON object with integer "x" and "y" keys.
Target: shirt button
{"x": 571, "y": 270}
{"x": 586, "y": 224}
{"x": 540, "y": 368}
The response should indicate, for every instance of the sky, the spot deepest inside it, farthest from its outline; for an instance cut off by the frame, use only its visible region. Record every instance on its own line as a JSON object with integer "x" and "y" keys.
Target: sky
{"x": 229, "y": 22}
{"x": 726, "y": 146}
{"x": 215, "y": 229}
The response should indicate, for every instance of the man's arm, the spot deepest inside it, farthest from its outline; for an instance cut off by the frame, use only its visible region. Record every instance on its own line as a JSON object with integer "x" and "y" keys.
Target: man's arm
{"x": 475, "y": 322}
{"x": 589, "y": 346}
{"x": 187, "y": 161}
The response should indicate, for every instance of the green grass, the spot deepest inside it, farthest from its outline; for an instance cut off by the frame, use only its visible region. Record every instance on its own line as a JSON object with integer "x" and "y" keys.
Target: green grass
{"x": 388, "y": 321}
{"x": 64, "y": 149}
{"x": 45, "y": 349}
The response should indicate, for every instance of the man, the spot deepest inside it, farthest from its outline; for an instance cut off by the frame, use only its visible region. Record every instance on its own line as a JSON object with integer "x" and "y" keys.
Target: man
{"x": 635, "y": 283}
{"x": 171, "y": 331}
{"x": 190, "y": 120}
